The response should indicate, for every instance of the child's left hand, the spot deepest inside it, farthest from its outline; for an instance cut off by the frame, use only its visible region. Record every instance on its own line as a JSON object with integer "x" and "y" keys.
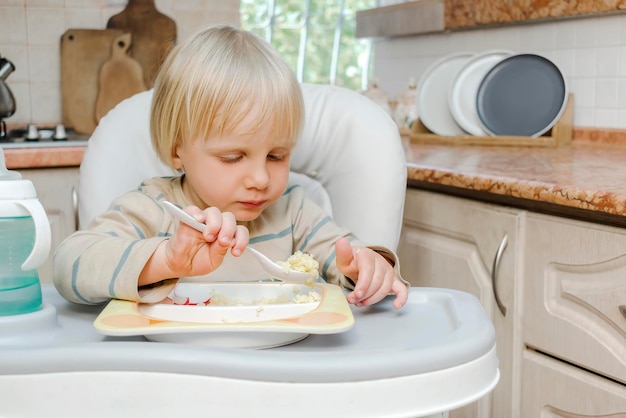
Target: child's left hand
{"x": 374, "y": 276}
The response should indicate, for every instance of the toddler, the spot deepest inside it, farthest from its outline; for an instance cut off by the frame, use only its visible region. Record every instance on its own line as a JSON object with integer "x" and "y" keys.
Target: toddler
{"x": 226, "y": 113}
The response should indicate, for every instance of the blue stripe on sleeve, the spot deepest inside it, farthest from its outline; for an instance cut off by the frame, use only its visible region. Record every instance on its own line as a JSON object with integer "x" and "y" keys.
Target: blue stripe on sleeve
{"x": 119, "y": 267}
{"x": 268, "y": 237}
{"x": 290, "y": 189}
{"x": 316, "y": 228}
{"x": 327, "y": 263}
{"x": 139, "y": 232}
{"x": 74, "y": 286}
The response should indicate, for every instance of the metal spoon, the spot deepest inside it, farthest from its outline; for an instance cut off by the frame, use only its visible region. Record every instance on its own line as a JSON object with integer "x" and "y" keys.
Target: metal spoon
{"x": 268, "y": 265}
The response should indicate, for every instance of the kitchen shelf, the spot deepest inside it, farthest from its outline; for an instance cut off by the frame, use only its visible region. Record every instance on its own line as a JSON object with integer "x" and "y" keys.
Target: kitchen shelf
{"x": 418, "y": 17}
{"x": 410, "y": 18}
{"x": 560, "y": 134}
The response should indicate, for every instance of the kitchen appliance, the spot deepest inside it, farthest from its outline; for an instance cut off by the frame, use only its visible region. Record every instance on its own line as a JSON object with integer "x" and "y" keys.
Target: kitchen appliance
{"x": 24, "y": 243}
{"x": 33, "y": 136}
{"x": 7, "y": 101}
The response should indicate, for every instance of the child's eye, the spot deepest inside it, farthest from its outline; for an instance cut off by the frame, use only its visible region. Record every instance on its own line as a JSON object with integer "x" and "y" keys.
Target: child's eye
{"x": 229, "y": 159}
{"x": 276, "y": 157}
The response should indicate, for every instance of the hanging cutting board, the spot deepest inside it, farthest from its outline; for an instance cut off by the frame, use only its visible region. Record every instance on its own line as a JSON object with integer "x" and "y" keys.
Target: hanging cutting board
{"x": 120, "y": 77}
{"x": 83, "y": 52}
{"x": 154, "y": 34}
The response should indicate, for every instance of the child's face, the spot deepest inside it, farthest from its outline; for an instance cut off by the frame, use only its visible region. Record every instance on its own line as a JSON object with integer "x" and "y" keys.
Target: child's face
{"x": 242, "y": 173}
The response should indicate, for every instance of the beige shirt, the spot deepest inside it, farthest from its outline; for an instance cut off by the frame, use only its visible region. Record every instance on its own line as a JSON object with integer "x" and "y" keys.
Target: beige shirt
{"x": 104, "y": 261}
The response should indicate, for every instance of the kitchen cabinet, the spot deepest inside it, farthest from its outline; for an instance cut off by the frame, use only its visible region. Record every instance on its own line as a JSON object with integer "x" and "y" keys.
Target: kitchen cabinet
{"x": 56, "y": 190}
{"x": 555, "y": 389}
{"x": 457, "y": 243}
{"x": 574, "y": 322}
{"x": 562, "y": 338}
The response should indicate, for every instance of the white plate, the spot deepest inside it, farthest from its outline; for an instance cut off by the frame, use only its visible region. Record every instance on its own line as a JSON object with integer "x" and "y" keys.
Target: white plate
{"x": 433, "y": 93}
{"x": 254, "y": 323}
{"x": 464, "y": 88}
{"x": 231, "y": 303}
{"x": 522, "y": 95}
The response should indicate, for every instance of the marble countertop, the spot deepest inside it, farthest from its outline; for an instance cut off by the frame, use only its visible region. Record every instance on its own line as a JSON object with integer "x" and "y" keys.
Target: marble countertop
{"x": 586, "y": 180}
{"x": 43, "y": 157}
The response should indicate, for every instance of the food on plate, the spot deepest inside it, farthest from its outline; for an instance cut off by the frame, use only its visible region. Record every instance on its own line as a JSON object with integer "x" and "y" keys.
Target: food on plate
{"x": 221, "y": 300}
{"x": 217, "y": 299}
{"x": 303, "y": 262}
{"x": 309, "y": 297}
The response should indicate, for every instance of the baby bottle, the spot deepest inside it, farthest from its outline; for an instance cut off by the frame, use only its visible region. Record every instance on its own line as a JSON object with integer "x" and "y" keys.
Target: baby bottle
{"x": 24, "y": 243}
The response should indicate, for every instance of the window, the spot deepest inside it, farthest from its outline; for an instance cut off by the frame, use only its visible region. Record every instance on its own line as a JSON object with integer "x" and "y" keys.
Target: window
{"x": 316, "y": 37}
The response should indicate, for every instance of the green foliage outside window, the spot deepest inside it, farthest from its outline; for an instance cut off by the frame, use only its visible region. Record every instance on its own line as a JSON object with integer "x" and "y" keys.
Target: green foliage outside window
{"x": 313, "y": 61}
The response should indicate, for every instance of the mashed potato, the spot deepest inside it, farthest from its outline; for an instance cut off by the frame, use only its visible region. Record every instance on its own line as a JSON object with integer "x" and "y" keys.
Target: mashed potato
{"x": 302, "y": 262}
{"x": 220, "y": 300}
{"x": 308, "y": 298}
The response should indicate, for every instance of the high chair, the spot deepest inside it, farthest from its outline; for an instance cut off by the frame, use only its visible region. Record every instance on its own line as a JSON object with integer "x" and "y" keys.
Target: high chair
{"x": 434, "y": 355}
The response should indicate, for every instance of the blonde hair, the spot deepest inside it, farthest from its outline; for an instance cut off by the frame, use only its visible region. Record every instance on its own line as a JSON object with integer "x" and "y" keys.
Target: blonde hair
{"x": 209, "y": 83}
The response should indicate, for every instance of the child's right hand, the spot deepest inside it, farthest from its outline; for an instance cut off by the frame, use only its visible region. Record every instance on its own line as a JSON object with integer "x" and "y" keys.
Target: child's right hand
{"x": 192, "y": 253}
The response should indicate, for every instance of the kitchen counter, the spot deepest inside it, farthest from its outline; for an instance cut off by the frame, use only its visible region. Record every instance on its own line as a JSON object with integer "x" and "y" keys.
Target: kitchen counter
{"x": 43, "y": 157}
{"x": 586, "y": 180}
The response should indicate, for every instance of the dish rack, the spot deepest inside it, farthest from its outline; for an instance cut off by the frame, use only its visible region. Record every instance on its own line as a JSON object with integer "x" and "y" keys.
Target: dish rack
{"x": 560, "y": 134}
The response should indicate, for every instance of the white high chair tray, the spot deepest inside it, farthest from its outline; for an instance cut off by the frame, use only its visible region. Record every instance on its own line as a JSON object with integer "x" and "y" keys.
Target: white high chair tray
{"x": 441, "y": 339}
{"x": 232, "y": 314}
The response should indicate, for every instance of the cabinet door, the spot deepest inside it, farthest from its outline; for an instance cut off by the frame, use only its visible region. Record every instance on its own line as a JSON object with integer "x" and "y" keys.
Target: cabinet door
{"x": 451, "y": 242}
{"x": 554, "y": 389}
{"x": 575, "y": 293}
{"x": 56, "y": 191}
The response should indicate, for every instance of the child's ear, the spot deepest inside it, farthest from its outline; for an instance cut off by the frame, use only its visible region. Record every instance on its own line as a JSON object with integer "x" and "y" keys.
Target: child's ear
{"x": 177, "y": 163}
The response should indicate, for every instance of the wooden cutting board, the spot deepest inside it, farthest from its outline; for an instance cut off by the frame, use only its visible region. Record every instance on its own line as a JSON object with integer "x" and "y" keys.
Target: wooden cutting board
{"x": 83, "y": 52}
{"x": 120, "y": 77}
{"x": 154, "y": 34}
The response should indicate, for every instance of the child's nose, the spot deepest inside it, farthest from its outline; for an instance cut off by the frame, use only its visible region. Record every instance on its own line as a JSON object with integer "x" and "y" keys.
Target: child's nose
{"x": 258, "y": 177}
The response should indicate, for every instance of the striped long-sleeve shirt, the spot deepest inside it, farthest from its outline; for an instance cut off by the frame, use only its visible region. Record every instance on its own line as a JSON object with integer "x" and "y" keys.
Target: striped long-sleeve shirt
{"x": 104, "y": 261}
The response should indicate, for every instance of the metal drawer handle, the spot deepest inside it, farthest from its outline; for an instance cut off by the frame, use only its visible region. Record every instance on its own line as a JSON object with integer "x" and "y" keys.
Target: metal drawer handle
{"x": 494, "y": 274}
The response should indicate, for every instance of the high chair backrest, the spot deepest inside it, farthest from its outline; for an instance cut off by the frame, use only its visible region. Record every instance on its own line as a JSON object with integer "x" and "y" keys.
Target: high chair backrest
{"x": 349, "y": 159}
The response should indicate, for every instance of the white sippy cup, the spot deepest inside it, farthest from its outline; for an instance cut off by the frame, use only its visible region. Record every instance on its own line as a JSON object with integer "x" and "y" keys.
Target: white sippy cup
{"x": 24, "y": 243}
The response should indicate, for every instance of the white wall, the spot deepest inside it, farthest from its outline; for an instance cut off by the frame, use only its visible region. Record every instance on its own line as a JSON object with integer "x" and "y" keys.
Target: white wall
{"x": 591, "y": 52}
{"x": 30, "y": 35}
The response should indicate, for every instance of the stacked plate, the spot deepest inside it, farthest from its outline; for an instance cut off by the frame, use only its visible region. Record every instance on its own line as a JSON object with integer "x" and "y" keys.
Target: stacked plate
{"x": 495, "y": 92}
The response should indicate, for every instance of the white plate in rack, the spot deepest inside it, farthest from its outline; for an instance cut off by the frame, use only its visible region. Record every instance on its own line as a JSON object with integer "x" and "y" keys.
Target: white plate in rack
{"x": 433, "y": 93}
{"x": 464, "y": 89}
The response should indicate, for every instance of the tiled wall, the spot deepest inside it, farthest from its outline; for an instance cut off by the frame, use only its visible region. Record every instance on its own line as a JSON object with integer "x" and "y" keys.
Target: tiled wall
{"x": 30, "y": 34}
{"x": 591, "y": 52}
